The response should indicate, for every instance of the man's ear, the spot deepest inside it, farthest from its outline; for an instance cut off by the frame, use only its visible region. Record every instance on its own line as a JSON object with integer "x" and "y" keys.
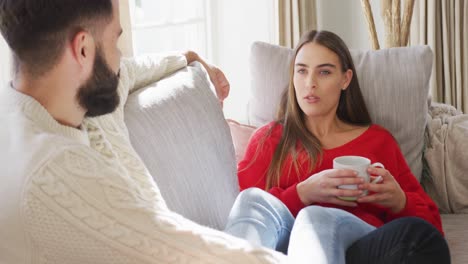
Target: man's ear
{"x": 348, "y": 76}
{"x": 84, "y": 49}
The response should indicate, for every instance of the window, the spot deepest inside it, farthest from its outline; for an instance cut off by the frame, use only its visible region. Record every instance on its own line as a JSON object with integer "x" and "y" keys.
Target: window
{"x": 161, "y": 25}
{"x": 221, "y": 31}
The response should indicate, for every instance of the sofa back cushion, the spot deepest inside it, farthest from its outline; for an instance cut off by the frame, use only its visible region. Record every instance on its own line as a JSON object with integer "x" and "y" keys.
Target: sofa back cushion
{"x": 394, "y": 83}
{"x": 177, "y": 127}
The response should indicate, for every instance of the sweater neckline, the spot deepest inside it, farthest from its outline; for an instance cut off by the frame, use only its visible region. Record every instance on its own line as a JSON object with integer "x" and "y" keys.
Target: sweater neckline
{"x": 352, "y": 142}
{"x": 34, "y": 111}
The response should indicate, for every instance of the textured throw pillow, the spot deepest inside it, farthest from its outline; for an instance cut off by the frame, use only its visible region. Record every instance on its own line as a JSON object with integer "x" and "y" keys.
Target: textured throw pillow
{"x": 394, "y": 83}
{"x": 177, "y": 127}
{"x": 240, "y": 137}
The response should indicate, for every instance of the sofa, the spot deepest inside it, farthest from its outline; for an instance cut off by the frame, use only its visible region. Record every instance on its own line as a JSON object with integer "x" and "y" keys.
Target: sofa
{"x": 178, "y": 128}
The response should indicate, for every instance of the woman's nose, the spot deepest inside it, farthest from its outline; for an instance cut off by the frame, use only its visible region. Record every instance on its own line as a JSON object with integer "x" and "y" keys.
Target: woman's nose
{"x": 311, "y": 83}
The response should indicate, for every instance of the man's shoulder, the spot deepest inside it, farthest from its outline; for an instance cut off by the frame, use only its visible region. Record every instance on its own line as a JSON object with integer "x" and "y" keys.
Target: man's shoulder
{"x": 25, "y": 144}
{"x": 55, "y": 154}
{"x": 74, "y": 159}
{"x": 71, "y": 174}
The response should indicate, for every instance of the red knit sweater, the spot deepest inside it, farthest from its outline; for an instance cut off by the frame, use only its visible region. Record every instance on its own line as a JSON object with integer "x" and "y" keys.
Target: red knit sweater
{"x": 375, "y": 143}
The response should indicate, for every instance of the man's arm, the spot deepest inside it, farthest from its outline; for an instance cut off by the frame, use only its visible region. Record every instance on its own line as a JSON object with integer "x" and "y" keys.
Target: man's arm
{"x": 101, "y": 209}
{"x": 217, "y": 77}
{"x": 138, "y": 72}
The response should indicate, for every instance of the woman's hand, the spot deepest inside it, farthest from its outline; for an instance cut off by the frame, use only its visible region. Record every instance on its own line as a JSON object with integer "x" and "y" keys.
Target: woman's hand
{"x": 387, "y": 193}
{"x": 323, "y": 187}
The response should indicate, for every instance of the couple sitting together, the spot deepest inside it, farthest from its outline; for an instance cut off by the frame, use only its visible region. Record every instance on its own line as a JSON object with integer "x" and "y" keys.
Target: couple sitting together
{"x": 73, "y": 189}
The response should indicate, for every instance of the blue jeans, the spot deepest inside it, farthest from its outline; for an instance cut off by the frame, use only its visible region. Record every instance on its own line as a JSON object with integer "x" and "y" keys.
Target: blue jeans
{"x": 262, "y": 219}
{"x": 328, "y": 235}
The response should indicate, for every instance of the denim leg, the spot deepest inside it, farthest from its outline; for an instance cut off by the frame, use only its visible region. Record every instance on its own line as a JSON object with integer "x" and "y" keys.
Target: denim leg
{"x": 323, "y": 234}
{"x": 260, "y": 218}
{"x": 405, "y": 240}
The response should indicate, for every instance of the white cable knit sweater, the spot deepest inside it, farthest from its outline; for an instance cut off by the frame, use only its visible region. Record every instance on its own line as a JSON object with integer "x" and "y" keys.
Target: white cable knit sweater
{"x": 84, "y": 196}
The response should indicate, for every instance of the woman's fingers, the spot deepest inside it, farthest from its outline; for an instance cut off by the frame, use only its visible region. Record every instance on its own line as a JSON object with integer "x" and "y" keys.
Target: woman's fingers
{"x": 346, "y": 181}
{"x": 380, "y": 171}
{"x": 346, "y": 192}
{"x": 373, "y": 198}
{"x": 339, "y": 173}
{"x": 374, "y": 187}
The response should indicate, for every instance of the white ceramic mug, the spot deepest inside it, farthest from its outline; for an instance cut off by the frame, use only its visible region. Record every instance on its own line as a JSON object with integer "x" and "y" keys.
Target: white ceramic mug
{"x": 358, "y": 164}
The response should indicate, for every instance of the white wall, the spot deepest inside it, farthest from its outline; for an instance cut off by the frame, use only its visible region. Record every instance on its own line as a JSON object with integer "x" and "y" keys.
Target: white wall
{"x": 346, "y": 18}
{"x": 125, "y": 41}
{"x": 236, "y": 24}
{"x": 234, "y": 34}
{"x": 5, "y": 63}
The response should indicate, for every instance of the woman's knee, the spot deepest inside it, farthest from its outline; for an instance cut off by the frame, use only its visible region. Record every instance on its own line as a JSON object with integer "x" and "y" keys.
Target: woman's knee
{"x": 255, "y": 199}
{"x": 323, "y": 214}
{"x": 313, "y": 212}
{"x": 333, "y": 219}
{"x": 253, "y": 194}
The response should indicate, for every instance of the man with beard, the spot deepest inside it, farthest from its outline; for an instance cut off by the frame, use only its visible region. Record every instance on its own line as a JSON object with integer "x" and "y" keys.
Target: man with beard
{"x": 72, "y": 188}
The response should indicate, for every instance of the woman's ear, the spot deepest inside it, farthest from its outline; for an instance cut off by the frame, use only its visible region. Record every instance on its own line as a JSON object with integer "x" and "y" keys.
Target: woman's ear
{"x": 348, "y": 76}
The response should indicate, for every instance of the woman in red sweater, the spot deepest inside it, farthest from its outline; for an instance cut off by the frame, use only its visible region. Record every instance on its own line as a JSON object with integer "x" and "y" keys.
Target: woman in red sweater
{"x": 323, "y": 116}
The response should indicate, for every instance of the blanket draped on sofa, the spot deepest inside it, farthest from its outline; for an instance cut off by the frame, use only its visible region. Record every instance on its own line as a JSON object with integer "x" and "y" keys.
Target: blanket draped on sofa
{"x": 447, "y": 158}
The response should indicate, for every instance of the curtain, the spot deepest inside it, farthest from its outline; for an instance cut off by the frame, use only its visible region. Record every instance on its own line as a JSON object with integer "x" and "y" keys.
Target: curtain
{"x": 443, "y": 25}
{"x": 295, "y": 18}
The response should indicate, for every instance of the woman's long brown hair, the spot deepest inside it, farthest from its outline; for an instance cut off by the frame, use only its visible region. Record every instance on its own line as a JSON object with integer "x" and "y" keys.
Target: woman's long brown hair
{"x": 296, "y": 137}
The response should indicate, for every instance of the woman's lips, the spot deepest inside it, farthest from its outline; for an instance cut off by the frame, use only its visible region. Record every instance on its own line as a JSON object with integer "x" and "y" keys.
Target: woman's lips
{"x": 311, "y": 99}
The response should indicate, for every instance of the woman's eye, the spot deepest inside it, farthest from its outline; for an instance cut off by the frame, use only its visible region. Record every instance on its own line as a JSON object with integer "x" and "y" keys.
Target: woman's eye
{"x": 324, "y": 72}
{"x": 301, "y": 71}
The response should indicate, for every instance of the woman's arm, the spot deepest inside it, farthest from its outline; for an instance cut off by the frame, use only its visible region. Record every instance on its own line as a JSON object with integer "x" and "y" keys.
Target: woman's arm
{"x": 418, "y": 203}
{"x": 252, "y": 170}
{"x": 400, "y": 192}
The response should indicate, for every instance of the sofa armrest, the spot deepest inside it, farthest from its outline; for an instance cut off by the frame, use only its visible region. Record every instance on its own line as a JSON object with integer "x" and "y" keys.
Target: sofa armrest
{"x": 177, "y": 127}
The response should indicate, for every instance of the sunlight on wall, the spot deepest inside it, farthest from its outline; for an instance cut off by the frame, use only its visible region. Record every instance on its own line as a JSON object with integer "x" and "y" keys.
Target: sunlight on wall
{"x": 125, "y": 41}
{"x": 222, "y": 31}
{"x": 5, "y": 63}
{"x": 347, "y": 20}
{"x": 236, "y": 25}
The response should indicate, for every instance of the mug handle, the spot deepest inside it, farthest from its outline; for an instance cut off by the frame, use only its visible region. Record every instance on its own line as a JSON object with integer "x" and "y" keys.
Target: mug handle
{"x": 379, "y": 178}
{"x": 378, "y": 164}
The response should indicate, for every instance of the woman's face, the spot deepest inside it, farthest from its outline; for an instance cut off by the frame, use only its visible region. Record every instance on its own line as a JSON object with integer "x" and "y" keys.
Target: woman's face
{"x": 319, "y": 80}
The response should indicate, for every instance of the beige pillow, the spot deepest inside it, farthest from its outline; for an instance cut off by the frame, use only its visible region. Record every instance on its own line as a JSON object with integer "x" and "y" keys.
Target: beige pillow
{"x": 240, "y": 134}
{"x": 394, "y": 83}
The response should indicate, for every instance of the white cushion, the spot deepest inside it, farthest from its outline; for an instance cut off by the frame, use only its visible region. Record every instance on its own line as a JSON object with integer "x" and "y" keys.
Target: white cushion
{"x": 177, "y": 127}
{"x": 394, "y": 83}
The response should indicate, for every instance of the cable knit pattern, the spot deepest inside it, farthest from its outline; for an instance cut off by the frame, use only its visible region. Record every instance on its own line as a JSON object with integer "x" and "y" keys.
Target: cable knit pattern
{"x": 84, "y": 196}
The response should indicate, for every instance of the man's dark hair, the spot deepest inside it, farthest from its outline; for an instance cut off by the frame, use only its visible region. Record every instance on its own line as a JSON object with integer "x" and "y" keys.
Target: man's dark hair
{"x": 37, "y": 30}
